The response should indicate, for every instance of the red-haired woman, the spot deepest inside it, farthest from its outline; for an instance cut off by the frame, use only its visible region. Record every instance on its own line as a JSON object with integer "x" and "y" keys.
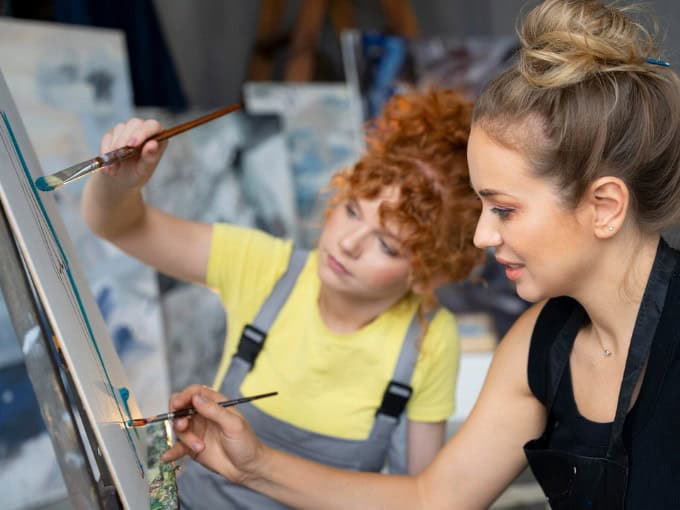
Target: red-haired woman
{"x": 349, "y": 334}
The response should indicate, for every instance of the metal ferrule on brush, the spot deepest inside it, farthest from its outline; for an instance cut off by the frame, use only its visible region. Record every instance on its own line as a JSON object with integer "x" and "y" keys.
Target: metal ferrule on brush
{"x": 77, "y": 171}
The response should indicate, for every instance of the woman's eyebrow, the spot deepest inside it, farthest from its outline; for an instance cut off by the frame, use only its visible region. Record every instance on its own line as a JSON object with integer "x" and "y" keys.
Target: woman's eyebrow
{"x": 489, "y": 192}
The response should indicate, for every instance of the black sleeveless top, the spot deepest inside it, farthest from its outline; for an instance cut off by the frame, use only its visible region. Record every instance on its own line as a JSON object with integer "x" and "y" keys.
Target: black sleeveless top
{"x": 652, "y": 427}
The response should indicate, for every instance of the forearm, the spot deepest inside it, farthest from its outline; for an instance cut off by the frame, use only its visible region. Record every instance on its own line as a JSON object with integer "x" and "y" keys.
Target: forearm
{"x": 304, "y": 484}
{"x": 110, "y": 210}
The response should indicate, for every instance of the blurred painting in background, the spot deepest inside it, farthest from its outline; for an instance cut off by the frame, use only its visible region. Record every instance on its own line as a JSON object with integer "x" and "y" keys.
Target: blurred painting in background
{"x": 70, "y": 85}
{"x": 379, "y": 65}
{"x": 322, "y": 133}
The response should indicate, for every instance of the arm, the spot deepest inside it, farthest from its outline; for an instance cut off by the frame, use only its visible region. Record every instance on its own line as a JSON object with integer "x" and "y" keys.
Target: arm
{"x": 470, "y": 472}
{"x": 424, "y": 442}
{"x": 114, "y": 209}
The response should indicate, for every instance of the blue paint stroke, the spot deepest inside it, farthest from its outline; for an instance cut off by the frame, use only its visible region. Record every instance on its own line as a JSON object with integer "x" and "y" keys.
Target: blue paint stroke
{"x": 125, "y": 395}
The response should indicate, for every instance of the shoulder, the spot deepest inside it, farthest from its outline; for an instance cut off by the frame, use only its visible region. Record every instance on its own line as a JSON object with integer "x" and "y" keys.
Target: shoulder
{"x": 245, "y": 261}
{"x": 518, "y": 337}
{"x": 528, "y": 342}
{"x": 510, "y": 361}
{"x": 442, "y": 321}
{"x": 224, "y": 233}
{"x": 441, "y": 335}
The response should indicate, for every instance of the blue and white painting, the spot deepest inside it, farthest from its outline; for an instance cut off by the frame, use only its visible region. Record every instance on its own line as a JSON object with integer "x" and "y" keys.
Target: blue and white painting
{"x": 323, "y": 134}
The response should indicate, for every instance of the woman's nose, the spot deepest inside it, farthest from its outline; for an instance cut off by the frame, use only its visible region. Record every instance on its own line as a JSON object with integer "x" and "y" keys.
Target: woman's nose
{"x": 486, "y": 234}
{"x": 351, "y": 241}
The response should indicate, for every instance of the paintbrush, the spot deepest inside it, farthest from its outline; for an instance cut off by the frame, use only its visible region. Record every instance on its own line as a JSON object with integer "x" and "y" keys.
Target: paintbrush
{"x": 70, "y": 174}
{"x": 140, "y": 422}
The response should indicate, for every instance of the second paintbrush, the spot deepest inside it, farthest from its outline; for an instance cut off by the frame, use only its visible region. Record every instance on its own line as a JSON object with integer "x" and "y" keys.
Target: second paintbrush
{"x": 70, "y": 174}
{"x": 140, "y": 422}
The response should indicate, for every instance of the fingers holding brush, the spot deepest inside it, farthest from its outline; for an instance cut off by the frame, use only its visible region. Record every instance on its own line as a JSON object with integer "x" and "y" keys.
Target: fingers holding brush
{"x": 134, "y": 133}
{"x": 219, "y": 438}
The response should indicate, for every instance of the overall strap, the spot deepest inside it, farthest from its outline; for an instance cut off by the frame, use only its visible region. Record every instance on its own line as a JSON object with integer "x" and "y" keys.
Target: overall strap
{"x": 399, "y": 389}
{"x": 644, "y": 331}
{"x": 387, "y": 439}
{"x": 255, "y": 333}
{"x": 559, "y": 353}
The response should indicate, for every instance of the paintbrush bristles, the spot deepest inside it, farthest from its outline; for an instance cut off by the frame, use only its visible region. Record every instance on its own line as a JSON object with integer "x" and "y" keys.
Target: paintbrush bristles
{"x": 48, "y": 183}
{"x": 51, "y": 182}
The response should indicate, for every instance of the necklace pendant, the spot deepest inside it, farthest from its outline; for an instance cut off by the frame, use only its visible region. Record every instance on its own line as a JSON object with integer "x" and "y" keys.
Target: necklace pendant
{"x": 607, "y": 353}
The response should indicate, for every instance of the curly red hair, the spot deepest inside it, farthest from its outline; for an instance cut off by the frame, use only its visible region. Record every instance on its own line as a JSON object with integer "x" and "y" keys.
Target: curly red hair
{"x": 418, "y": 144}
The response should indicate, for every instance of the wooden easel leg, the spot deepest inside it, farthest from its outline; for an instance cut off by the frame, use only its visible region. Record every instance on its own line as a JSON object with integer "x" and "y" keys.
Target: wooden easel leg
{"x": 400, "y": 17}
{"x": 268, "y": 25}
{"x": 342, "y": 15}
{"x": 300, "y": 66}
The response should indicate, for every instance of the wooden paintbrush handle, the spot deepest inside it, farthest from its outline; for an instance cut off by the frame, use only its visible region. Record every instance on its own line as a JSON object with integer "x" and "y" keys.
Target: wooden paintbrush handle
{"x": 181, "y": 128}
{"x": 123, "y": 153}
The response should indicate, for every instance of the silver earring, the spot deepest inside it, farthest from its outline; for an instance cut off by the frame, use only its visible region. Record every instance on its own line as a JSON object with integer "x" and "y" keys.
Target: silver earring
{"x": 610, "y": 228}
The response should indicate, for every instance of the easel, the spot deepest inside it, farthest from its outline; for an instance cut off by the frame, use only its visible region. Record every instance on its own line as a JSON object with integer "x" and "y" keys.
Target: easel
{"x": 48, "y": 376}
{"x": 85, "y": 473}
{"x": 310, "y": 19}
{"x": 79, "y": 382}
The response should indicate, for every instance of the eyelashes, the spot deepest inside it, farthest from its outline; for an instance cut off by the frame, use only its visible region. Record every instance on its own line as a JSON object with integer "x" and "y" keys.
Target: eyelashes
{"x": 502, "y": 212}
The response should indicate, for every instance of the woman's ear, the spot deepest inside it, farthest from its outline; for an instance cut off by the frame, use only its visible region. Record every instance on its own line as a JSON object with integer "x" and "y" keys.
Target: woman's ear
{"x": 609, "y": 199}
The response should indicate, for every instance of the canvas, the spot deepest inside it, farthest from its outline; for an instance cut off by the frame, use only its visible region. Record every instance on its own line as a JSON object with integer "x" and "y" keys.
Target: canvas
{"x": 77, "y": 326}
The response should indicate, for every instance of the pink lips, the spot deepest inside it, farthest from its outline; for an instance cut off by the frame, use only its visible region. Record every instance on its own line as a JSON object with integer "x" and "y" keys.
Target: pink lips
{"x": 336, "y": 266}
{"x": 512, "y": 270}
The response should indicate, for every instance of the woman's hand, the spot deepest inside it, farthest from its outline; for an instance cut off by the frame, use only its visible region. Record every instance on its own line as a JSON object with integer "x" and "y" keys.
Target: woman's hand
{"x": 133, "y": 172}
{"x": 217, "y": 437}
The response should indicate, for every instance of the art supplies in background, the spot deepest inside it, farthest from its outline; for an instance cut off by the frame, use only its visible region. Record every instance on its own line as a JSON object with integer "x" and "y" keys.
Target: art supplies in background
{"x": 379, "y": 65}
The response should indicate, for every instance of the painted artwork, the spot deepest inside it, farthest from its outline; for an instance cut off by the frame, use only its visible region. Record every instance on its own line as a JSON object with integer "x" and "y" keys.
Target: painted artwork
{"x": 322, "y": 135}
{"x": 379, "y": 65}
{"x": 70, "y": 85}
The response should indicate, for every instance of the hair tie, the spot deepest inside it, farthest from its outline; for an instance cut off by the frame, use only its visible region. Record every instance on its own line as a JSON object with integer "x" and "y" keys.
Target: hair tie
{"x": 656, "y": 62}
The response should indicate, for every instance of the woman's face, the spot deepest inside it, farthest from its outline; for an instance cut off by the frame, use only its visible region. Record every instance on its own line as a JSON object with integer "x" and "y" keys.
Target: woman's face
{"x": 359, "y": 256}
{"x": 544, "y": 246}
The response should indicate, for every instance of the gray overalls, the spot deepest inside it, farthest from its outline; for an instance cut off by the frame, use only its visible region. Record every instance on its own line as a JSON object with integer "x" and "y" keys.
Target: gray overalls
{"x": 200, "y": 488}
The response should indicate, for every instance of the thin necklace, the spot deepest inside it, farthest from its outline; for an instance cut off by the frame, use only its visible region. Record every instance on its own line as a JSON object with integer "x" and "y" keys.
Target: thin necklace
{"x": 607, "y": 353}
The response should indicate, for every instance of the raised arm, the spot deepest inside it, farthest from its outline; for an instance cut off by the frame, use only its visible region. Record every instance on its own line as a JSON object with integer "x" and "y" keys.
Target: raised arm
{"x": 114, "y": 209}
{"x": 469, "y": 473}
{"x": 486, "y": 454}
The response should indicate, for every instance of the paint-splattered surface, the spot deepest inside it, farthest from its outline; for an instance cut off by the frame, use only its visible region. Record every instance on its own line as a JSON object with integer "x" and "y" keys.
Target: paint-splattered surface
{"x": 162, "y": 486}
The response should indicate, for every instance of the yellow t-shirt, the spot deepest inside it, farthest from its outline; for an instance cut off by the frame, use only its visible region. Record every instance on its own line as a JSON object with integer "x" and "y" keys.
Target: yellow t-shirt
{"x": 328, "y": 383}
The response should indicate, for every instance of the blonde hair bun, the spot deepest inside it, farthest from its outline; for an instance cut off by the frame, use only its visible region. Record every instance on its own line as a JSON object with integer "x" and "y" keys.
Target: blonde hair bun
{"x": 568, "y": 41}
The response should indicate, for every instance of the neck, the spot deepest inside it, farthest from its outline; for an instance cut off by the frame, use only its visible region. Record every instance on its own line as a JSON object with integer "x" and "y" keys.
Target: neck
{"x": 345, "y": 313}
{"x": 612, "y": 299}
